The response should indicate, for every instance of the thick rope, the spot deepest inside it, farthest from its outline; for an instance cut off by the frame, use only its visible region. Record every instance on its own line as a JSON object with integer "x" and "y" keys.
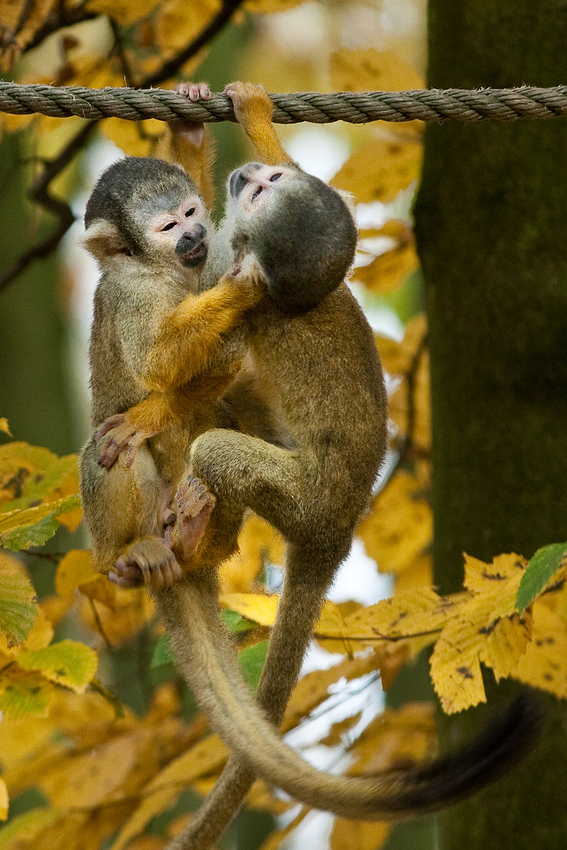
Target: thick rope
{"x": 355, "y": 108}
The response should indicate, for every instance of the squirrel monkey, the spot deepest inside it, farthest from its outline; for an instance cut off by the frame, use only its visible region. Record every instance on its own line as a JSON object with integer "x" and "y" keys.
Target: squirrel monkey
{"x": 148, "y": 227}
{"x": 313, "y": 357}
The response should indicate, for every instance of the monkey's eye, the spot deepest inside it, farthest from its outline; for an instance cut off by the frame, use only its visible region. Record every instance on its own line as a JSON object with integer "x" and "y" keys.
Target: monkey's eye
{"x": 191, "y": 211}
{"x": 275, "y": 177}
{"x": 168, "y": 226}
{"x": 257, "y": 193}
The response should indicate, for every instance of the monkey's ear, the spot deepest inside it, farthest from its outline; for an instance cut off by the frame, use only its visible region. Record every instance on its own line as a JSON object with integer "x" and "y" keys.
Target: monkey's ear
{"x": 103, "y": 241}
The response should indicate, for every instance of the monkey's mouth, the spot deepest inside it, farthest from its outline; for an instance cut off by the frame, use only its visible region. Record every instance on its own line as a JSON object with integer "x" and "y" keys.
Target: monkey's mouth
{"x": 195, "y": 256}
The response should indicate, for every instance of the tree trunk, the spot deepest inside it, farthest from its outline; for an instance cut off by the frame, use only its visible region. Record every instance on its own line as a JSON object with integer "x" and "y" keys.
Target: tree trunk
{"x": 491, "y": 221}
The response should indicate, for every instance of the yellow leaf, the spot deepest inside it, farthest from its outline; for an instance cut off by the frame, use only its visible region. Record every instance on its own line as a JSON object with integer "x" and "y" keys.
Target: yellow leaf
{"x": 4, "y": 800}
{"x": 75, "y": 568}
{"x": 348, "y": 834}
{"x": 399, "y": 527}
{"x": 505, "y": 571}
{"x": 476, "y": 633}
{"x": 332, "y": 624}
{"x": 68, "y": 663}
{"x": 379, "y": 169}
{"x": 4, "y": 426}
{"x": 89, "y": 779}
{"x": 41, "y": 633}
{"x": 135, "y": 138}
{"x": 258, "y": 542}
{"x": 313, "y": 688}
{"x": 456, "y": 674}
{"x": 413, "y": 618}
{"x": 20, "y": 21}
{"x": 152, "y": 805}
{"x": 267, "y": 6}
{"x": 401, "y": 736}
{"x": 372, "y": 70}
{"x": 179, "y": 21}
{"x": 338, "y": 732}
{"x": 388, "y": 269}
{"x": 419, "y": 574}
{"x": 544, "y": 664}
{"x": 254, "y": 606}
{"x": 506, "y": 644}
{"x": 123, "y": 11}
{"x": 410, "y": 360}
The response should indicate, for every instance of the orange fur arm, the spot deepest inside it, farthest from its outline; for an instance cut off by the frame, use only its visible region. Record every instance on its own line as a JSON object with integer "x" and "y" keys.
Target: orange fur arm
{"x": 191, "y": 336}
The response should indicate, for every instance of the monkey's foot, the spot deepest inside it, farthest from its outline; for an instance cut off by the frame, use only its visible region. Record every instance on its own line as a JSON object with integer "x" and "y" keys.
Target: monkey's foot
{"x": 252, "y": 106}
{"x": 195, "y": 504}
{"x": 146, "y": 561}
{"x": 122, "y": 438}
{"x": 192, "y": 130}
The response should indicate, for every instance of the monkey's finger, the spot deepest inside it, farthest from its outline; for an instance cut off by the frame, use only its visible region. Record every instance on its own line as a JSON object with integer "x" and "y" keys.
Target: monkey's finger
{"x": 125, "y": 581}
{"x": 108, "y": 425}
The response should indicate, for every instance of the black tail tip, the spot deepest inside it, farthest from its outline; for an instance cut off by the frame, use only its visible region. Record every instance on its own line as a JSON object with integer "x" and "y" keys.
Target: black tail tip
{"x": 502, "y": 745}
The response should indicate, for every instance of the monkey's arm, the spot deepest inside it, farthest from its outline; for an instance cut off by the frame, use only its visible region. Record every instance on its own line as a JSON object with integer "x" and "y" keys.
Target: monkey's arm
{"x": 191, "y": 145}
{"x": 192, "y": 334}
{"x": 253, "y": 110}
{"x": 175, "y": 367}
{"x": 125, "y": 432}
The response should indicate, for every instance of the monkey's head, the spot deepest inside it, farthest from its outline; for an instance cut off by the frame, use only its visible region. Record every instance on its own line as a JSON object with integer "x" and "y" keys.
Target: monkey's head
{"x": 149, "y": 209}
{"x": 299, "y": 228}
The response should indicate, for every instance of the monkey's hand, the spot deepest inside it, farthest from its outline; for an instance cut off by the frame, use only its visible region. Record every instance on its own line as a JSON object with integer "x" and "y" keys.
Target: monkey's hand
{"x": 193, "y": 131}
{"x": 253, "y": 110}
{"x": 123, "y": 436}
{"x": 247, "y": 274}
{"x": 146, "y": 561}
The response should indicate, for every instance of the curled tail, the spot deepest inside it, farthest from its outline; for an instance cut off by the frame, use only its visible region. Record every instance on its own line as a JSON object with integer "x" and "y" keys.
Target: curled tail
{"x": 206, "y": 660}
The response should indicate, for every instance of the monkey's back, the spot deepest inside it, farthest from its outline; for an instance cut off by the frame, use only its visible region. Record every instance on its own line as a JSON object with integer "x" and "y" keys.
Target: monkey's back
{"x": 339, "y": 421}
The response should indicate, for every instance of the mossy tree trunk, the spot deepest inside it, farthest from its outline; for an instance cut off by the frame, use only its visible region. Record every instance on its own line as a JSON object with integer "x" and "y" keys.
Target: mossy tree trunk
{"x": 491, "y": 221}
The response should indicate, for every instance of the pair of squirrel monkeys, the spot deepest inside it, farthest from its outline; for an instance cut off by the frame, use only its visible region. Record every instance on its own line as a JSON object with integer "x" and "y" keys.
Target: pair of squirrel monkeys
{"x": 234, "y": 371}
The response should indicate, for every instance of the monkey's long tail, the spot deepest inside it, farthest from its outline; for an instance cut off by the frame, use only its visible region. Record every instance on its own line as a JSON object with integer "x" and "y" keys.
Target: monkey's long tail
{"x": 207, "y": 661}
{"x": 280, "y": 673}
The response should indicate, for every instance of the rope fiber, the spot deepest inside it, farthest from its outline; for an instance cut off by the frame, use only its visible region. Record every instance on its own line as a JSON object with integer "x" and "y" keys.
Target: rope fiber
{"x": 353, "y": 107}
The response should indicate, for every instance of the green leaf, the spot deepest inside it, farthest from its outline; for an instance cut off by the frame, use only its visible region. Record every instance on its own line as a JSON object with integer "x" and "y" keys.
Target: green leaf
{"x": 235, "y": 622}
{"x": 23, "y": 694}
{"x": 163, "y": 653}
{"x": 20, "y": 529}
{"x": 540, "y": 570}
{"x": 17, "y": 600}
{"x": 252, "y": 661}
{"x": 27, "y": 827}
{"x": 67, "y": 663}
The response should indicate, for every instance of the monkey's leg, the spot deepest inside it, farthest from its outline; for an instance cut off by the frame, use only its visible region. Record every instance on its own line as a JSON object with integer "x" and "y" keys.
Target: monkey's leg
{"x": 121, "y": 512}
{"x": 253, "y": 110}
{"x": 226, "y": 460}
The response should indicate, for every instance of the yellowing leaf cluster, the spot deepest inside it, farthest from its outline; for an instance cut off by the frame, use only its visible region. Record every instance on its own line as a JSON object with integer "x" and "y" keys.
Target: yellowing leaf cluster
{"x": 398, "y": 530}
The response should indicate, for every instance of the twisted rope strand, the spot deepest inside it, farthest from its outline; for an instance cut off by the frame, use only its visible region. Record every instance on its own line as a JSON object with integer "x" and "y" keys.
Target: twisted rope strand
{"x": 353, "y": 107}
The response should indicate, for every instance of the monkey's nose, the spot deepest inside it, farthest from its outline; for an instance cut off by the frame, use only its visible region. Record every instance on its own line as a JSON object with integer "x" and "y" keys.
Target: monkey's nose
{"x": 239, "y": 178}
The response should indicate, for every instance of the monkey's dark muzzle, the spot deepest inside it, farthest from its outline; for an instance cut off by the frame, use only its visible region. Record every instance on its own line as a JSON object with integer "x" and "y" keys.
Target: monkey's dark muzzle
{"x": 192, "y": 248}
